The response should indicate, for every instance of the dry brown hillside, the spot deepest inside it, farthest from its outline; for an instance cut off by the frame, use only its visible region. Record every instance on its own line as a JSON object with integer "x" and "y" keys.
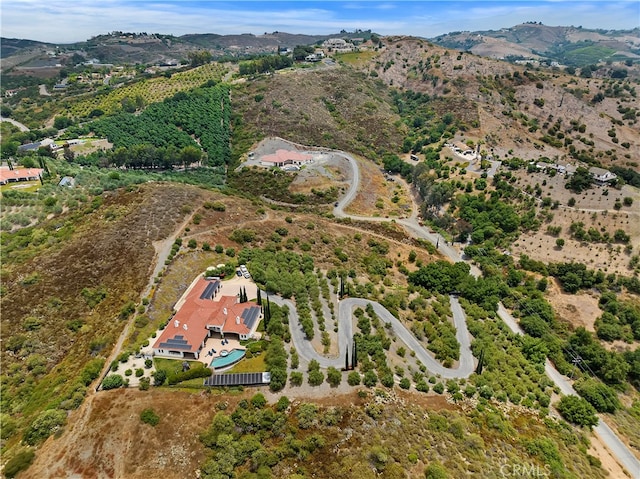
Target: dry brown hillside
{"x": 335, "y": 107}
{"x": 516, "y": 107}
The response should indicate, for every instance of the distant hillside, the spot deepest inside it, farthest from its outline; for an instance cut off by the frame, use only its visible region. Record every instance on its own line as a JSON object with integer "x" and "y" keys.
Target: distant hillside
{"x": 120, "y": 47}
{"x": 514, "y": 108}
{"x": 574, "y": 46}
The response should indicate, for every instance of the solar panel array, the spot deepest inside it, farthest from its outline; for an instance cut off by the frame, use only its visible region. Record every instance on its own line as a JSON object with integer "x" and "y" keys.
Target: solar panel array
{"x": 250, "y": 316}
{"x": 177, "y": 342}
{"x": 210, "y": 290}
{"x": 238, "y": 379}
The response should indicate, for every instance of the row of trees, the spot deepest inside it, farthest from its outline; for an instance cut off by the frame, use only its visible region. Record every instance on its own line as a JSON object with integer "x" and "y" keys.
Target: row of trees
{"x": 265, "y": 64}
{"x": 203, "y": 113}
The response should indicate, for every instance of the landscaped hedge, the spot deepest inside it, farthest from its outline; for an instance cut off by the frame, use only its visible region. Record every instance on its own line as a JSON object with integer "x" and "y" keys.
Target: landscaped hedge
{"x": 197, "y": 372}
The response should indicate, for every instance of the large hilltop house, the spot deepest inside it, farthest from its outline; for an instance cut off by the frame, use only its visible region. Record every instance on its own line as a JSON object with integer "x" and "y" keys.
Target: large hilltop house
{"x": 286, "y": 157}
{"x": 338, "y": 45}
{"x": 203, "y": 313}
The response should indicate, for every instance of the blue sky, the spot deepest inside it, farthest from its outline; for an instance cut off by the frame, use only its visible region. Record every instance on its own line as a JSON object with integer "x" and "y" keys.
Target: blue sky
{"x": 59, "y": 21}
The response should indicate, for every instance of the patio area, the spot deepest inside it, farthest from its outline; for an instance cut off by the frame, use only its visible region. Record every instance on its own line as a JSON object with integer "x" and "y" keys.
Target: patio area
{"x": 215, "y": 345}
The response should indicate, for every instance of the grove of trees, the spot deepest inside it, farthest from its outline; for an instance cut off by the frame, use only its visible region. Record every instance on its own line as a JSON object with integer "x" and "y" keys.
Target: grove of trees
{"x": 164, "y": 132}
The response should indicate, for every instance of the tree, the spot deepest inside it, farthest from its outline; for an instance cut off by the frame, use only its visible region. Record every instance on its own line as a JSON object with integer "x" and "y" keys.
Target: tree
{"x": 579, "y": 181}
{"x": 559, "y": 243}
{"x": 199, "y": 57}
{"x": 354, "y": 355}
{"x": 334, "y": 377}
{"x": 159, "y": 377}
{"x": 480, "y": 363}
{"x": 258, "y": 297}
{"x": 190, "y": 155}
{"x": 577, "y": 411}
{"x": 602, "y": 397}
{"x": 301, "y": 51}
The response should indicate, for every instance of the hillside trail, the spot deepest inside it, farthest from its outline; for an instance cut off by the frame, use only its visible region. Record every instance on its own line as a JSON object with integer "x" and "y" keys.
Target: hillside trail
{"x": 162, "y": 251}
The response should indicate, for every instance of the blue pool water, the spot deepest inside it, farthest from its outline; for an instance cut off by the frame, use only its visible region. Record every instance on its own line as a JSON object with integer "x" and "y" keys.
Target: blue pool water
{"x": 233, "y": 357}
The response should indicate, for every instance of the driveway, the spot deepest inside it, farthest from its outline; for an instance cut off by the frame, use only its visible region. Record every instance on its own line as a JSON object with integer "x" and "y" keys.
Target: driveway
{"x": 345, "y": 335}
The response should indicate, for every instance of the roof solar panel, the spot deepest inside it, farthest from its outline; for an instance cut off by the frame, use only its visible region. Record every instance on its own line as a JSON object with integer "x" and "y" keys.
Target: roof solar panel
{"x": 209, "y": 290}
{"x": 250, "y": 315}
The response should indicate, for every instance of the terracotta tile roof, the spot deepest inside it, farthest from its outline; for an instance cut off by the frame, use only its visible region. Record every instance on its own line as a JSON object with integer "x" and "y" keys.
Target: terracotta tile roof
{"x": 18, "y": 174}
{"x": 282, "y": 156}
{"x": 199, "y": 314}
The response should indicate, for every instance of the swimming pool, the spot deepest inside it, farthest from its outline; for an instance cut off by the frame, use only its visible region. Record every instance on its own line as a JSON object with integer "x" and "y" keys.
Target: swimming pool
{"x": 233, "y": 357}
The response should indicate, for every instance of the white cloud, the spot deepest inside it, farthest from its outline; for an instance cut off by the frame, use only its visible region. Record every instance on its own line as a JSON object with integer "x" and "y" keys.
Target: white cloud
{"x": 65, "y": 21}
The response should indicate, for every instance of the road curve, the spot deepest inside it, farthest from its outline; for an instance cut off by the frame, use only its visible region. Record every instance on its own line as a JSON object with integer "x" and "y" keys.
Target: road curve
{"x": 305, "y": 349}
{"x": 620, "y": 450}
{"x": 20, "y": 126}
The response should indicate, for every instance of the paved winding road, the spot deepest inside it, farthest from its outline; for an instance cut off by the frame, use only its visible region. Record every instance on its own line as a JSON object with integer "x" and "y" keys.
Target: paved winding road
{"x": 345, "y": 327}
{"x": 620, "y": 450}
{"x": 20, "y": 126}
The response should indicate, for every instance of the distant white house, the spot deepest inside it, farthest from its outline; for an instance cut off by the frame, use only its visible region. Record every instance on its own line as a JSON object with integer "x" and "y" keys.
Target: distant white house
{"x": 338, "y": 45}
{"x": 601, "y": 176}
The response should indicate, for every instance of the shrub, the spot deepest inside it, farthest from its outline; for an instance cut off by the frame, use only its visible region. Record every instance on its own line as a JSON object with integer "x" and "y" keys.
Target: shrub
{"x": 370, "y": 379}
{"x": 439, "y": 388}
{"x": 405, "y": 383}
{"x": 149, "y": 416}
{"x": 577, "y": 411}
{"x": 354, "y": 378}
{"x": 19, "y": 462}
{"x": 435, "y": 470}
{"x": 334, "y": 377}
{"x": 148, "y": 363}
{"x": 144, "y": 384}
{"x": 296, "y": 378}
{"x": 422, "y": 386}
{"x": 258, "y": 401}
{"x": 112, "y": 381}
{"x": 307, "y": 414}
{"x": 128, "y": 372}
{"x": 283, "y": 403}
{"x": 139, "y": 372}
{"x": 45, "y": 424}
{"x": 159, "y": 377}
{"x": 316, "y": 378}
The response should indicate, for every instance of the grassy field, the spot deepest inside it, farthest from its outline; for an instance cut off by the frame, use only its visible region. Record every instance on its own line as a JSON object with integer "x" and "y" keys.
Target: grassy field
{"x": 356, "y": 58}
{"x": 250, "y": 365}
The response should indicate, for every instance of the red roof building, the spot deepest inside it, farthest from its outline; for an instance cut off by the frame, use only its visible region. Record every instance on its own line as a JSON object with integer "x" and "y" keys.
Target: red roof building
{"x": 202, "y": 314}
{"x": 19, "y": 174}
{"x": 286, "y": 157}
